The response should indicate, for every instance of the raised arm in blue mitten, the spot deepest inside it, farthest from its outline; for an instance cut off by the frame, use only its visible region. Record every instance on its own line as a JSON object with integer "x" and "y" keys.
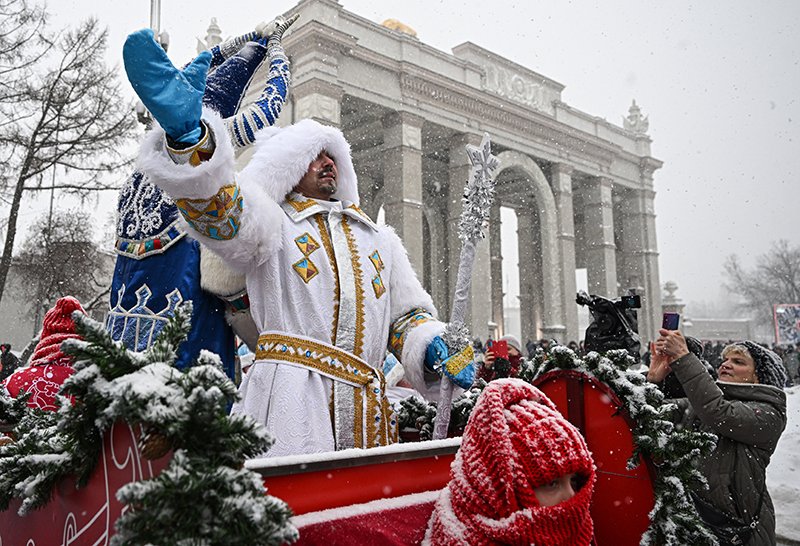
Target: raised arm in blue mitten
{"x": 173, "y": 96}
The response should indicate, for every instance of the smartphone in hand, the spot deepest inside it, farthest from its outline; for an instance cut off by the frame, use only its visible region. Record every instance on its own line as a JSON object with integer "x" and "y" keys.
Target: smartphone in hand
{"x": 671, "y": 321}
{"x": 500, "y": 349}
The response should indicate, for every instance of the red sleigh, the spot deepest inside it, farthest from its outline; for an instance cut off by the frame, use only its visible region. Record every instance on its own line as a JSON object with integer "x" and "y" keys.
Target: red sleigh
{"x": 368, "y": 497}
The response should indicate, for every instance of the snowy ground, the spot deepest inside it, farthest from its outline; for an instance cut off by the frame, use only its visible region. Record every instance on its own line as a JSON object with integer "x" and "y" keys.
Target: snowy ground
{"x": 783, "y": 473}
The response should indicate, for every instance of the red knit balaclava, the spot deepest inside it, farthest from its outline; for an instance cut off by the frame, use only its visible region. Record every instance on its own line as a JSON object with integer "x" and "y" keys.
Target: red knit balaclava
{"x": 515, "y": 440}
{"x": 49, "y": 366}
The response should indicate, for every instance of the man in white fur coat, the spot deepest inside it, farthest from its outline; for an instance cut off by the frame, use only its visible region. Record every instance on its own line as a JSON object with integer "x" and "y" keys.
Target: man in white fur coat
{"x": 330, "y": 291}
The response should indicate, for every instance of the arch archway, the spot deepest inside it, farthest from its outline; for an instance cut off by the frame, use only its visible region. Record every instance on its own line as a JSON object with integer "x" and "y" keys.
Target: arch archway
{"x": 526, "y": 170}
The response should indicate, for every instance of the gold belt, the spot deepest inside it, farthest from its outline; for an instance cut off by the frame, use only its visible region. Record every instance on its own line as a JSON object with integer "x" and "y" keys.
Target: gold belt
{"x": 363, "y": 416}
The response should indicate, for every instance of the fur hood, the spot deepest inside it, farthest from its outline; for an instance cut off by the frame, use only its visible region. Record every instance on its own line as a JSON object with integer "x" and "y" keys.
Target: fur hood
{"x": 282, "y": 157}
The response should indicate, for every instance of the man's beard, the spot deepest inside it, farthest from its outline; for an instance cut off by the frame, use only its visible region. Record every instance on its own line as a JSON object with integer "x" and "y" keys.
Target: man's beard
{"x": 328, "y": 188}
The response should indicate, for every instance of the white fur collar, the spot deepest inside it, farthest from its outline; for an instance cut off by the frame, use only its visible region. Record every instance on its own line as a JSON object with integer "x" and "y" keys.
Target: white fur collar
{"x": 282, "y": 157}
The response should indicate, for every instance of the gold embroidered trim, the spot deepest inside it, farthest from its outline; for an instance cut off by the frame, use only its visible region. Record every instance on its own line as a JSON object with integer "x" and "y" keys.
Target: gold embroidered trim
{"x": 328, "y": 246}
{"x": 358, "y": 429}
{"x": 359, "y": 211}
{"x": 375, "y": 422}
{"x": 216, "y": 217}
{"x": 300, "y": 206}
{"x": 376, "y": 260}
{"x": 322, "y": 357}
{"x": 195, "y": 154}
{"x": 373, "y": 414}
{"x": 351, "y": 243}
{"x": 402, "y": 326}
{"x": 378, "y": 286}
{"x": 459, "y": 361}
{"x": 394, "y": 430}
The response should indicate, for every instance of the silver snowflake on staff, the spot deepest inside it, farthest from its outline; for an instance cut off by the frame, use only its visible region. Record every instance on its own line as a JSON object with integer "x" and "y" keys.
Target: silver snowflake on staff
{"x": 479, "y": 191}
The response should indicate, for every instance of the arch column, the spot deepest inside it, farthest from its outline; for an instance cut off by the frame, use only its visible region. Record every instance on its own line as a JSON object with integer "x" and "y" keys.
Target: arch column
{"x": 437, "y": 229}
{"x": 601, "y": 262}
{"x": 402, "y": 181}
{"x": 530, "y": 276}
{"x": 552, "y": 312}
{"x": 640, "y": 257}
{"x": 496, "y": 265}
{"x": 562, "y": 192}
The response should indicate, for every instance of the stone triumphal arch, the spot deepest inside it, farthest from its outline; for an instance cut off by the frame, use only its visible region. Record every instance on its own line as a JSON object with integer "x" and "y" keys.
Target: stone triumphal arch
{"x": 581, "y": 187}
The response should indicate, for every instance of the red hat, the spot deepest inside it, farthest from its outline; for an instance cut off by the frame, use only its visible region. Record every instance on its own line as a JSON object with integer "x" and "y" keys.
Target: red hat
{"x": 57, "y": 327}
{"x": 515, "y": 441}
{"x": 49, "y": 366}
{"x": 58, "y": 320}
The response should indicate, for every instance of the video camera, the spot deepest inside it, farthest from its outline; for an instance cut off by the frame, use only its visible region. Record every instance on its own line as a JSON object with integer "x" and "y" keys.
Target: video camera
{"x": 614, "y": 323}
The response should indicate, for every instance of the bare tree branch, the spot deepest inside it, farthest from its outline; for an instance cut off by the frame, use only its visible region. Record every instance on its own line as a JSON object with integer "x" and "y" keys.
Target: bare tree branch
{"x": 59, "y": 105}
{"x": 774, "y": 280}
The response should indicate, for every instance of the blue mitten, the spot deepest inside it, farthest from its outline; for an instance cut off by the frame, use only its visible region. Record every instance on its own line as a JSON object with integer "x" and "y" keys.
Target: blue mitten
{"x": 435, "y": 354}
{"x": 460, "y": 368}
{"x": 173, "y": 96}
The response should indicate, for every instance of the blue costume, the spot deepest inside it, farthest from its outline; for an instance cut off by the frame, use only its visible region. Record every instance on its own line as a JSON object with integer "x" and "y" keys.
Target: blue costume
{"x": 158, "y": 264}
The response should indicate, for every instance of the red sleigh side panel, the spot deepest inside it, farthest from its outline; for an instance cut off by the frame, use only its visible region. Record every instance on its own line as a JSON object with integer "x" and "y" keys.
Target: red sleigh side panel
{"x": 87, "y": 515}
{"x": 622, "y": 498}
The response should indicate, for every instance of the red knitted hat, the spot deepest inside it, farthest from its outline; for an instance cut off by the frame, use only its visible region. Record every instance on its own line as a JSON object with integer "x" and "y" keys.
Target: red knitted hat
{"x": 49, "y": 366}
{"x": 57, "y": 327}
{"x": 515, "y": 441}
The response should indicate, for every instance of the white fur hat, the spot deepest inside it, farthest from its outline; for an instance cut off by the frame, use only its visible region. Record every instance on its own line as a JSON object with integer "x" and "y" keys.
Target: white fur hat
{"x": 282, "y": 157}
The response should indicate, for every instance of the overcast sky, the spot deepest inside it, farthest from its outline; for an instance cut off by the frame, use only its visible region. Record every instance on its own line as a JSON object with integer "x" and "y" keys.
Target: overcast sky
{"x": 719, "y": 81}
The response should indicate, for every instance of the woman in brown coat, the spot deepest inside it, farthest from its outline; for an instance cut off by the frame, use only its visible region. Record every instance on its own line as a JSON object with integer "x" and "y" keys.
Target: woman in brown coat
{"x": 746, "y": 409}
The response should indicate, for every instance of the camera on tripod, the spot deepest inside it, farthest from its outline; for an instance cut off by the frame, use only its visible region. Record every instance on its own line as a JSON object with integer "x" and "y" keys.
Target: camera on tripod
{"x": 614, "y": 323}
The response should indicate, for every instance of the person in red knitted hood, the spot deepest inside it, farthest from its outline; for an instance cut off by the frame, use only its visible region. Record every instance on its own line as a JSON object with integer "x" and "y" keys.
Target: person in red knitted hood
{"x": 523, "y": 476}
{"x": 49, "y": 366}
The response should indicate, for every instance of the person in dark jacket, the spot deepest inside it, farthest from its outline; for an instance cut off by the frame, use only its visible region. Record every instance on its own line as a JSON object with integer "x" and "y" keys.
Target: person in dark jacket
{"x": 671, "y": 386}
{"x": 8, "y": 361}
{"x": 746, "y": 409}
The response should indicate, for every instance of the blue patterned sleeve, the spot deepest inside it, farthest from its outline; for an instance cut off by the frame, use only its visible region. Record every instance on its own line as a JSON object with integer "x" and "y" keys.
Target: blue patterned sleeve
{"x": 264, "y": 111}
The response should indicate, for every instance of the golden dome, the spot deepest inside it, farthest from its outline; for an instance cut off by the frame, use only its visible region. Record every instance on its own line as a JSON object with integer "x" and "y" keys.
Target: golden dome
{"x": 394, "y": 24}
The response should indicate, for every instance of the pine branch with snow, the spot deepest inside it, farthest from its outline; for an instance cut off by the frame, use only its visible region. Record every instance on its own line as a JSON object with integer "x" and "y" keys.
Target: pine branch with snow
{"x": 418, "y": 414}
{"x": 12, "y": 409}
{"x": 464, "y": 404}
{"x": 32, "y": 465}
{"x": 205, "y": 474}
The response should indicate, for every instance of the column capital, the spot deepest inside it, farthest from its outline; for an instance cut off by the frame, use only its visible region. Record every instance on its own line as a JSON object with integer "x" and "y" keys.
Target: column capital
{"x": 395, "y": 118}
{"x": 318, "y": 87}
{"x": 562, "y": 169}
{"x": 561, "y": 178}
{"x": 402, "y": 130}
{"x": 604, "y": 181}
{"x": 598, "y": 190}
{"x": 457, "y": 153}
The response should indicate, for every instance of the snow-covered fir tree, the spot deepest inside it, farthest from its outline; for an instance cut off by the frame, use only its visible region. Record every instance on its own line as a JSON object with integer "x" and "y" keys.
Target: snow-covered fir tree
{"x": 204, "y": 496}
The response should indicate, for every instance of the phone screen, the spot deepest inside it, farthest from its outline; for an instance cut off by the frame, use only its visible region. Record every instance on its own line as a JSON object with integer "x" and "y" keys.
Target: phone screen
{"x": 671, "y": 321}
{"x": 500, "y": 349}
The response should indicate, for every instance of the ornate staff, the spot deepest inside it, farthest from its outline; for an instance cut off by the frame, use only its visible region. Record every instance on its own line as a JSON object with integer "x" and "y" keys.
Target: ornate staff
{"x": 477, "y": 202}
